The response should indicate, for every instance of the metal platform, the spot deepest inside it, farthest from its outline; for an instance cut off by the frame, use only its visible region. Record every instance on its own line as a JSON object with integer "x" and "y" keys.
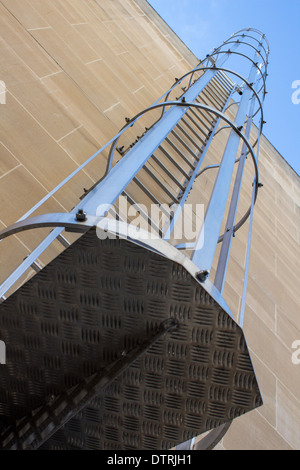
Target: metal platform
{"x": 95, "y": 304}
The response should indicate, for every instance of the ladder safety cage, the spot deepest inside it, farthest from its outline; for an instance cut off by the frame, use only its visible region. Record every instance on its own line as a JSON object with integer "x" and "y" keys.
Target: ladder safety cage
{"x": 160, "y": 168}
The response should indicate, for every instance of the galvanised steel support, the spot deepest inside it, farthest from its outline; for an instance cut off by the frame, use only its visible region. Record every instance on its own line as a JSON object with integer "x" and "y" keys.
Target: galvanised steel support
{"x": 251, "y": 210}
{"x": 205, "y": 248}
{"x": 168, "y": 229}
{"x": 229, "y": 233}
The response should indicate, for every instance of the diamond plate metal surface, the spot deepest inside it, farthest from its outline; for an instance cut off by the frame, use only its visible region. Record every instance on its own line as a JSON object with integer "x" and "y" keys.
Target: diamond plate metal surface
{"x": 94, "y": 301}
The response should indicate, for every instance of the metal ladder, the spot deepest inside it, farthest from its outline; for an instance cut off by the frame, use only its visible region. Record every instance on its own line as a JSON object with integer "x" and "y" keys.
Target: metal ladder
{"x": 185, "y": 315}
{"x": 172, "y": 166}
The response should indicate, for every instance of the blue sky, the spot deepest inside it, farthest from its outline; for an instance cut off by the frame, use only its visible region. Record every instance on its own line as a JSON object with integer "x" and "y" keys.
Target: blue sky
{"x": 205, "y": 24}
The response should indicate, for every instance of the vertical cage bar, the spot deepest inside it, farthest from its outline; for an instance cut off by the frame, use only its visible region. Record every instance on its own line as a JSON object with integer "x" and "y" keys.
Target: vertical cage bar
{"x": 228, "y": 235}
{"x": 206, "y": 244}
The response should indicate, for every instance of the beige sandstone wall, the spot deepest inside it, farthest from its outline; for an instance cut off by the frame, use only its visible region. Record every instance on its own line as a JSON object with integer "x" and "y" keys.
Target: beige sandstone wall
{"x": 74, "y": 69}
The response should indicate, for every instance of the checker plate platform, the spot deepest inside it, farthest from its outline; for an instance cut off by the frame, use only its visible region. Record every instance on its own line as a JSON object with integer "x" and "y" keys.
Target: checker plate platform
{"x": 99, "y": 298}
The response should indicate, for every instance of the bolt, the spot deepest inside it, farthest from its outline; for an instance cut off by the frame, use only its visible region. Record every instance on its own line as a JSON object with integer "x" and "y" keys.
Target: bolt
{"x": 81, "y": 215}
{"x": 202, "y": 275}
{"x": 120, "y": 149}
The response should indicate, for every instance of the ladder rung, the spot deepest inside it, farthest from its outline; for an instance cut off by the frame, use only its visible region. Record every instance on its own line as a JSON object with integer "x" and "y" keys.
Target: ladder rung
{"x": 189, "y": 137}
{"x": 150, "y": 195}
{"x": 168, "y": 172}
{"x": 215, "y": 98}
{"x": 63, "y": 241}
{"x": 222, "y": 83}
{"x": 198, "y": 117}
{"x": 184, "y": 145}
{"x": 213, "y": 103}
{"x": 195, "y": 124}
{"x": 36, "y": 267}
{"x": 174, "y": 162}
{"x": 160, "y": 184}
{"x": 193, "y": 131}
{"x": 211, "y": 123}
{"x": 114, "y": 212}
{"x": 144, "y": 214}
{"x": 215, "y": 83}
{"x": 221, "y": 86}
{"x": 226, "y": 79}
